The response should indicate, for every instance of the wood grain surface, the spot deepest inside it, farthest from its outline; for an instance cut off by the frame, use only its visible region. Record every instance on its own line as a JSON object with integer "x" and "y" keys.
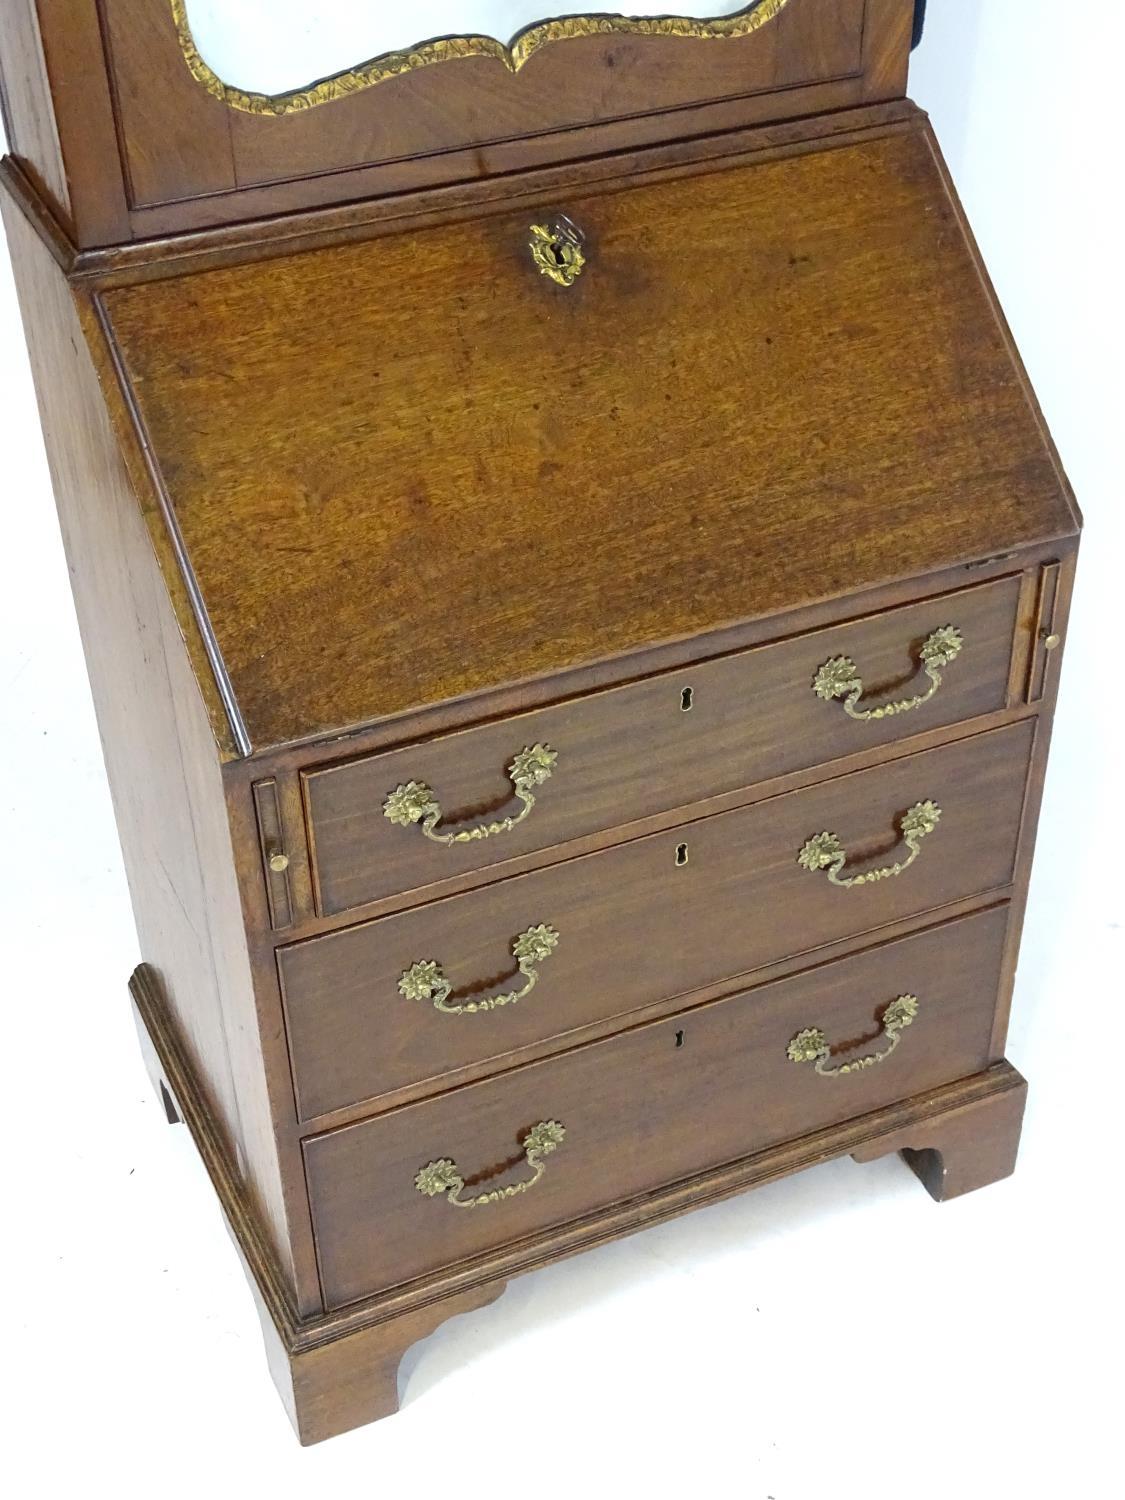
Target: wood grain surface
{"x": 643, "y": 1109}
{"x": 957, "y": 1137}
{"x": 27, "y": 106}
{"x": 657, "y": 744}
{"x": 160, "y": 753}
{"x": 104, "y": 111}
{"x": 432, "y": 435}
{"x": 636, "y": 925}
{"x": 352, "y": 495}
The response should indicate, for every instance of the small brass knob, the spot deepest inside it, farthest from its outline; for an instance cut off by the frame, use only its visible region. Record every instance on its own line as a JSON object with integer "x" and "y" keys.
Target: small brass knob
{"x": 279, "y": 862}
{"x": 1051, "y": 641}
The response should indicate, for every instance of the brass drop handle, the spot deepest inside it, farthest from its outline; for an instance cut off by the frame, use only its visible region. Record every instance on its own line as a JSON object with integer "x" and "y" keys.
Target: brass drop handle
{"x": 824, "y": 851}
{"x": 426, "y": 981}
{"x": 414, "y": 802}
{"x": 840, "y": 678}
{"x": 557, "y": 251}
{"x": 443, "y": 1177}
{"x": 813, "y": 1046}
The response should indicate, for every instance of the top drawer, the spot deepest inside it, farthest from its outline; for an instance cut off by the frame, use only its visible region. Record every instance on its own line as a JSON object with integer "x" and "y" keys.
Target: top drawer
{"x": 655, "y": 745}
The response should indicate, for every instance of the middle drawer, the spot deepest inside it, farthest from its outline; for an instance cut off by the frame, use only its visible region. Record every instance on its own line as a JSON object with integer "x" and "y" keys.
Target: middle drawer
{"x": 405, "y": 998}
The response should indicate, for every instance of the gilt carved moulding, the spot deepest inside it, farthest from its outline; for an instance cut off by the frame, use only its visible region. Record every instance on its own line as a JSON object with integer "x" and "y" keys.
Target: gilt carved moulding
{"x": 245, "y": 52}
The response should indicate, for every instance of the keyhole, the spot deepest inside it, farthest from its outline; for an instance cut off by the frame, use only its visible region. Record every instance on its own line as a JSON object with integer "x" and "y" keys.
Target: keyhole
{"x": 686, "y": 698}
{"x": 679, "y": 1039}
{"x": 681, "y": 854}
{"x": 557, "y": 254}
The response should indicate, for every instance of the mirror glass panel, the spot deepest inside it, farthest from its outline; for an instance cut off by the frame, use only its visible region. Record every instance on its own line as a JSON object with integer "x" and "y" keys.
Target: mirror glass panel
{"x": 277, "y": 46}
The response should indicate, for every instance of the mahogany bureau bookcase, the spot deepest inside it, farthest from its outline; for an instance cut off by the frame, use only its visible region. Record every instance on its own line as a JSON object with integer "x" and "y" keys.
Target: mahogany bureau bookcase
{"x": 573, "y": 577}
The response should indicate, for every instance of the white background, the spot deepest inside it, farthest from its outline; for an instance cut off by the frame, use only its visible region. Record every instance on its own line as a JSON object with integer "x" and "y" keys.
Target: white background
{"x": 834, "y": 1335}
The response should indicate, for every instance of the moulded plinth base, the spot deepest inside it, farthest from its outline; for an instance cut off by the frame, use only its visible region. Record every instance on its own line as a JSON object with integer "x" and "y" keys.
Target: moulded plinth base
{"x": 339, "y": 1371}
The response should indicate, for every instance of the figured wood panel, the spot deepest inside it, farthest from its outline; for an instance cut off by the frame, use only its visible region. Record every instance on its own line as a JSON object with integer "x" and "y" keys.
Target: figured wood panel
{"x": 771, "y": 385}
{"x": 664, "y": 742}
{"x": 645, "y": 920}
{"x": 642, "y": 1110}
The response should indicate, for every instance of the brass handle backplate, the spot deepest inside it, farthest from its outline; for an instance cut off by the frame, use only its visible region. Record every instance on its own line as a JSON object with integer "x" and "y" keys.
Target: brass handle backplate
{"x": 414, "y": 802}
{"x": 839, "y": 678}
{"x": 557, "y": 250}
{"x": 426, "y": 981}
{"x": 824, "y": 851}
{"x": 443, "y": 1177}
{"x": 813, "y": 1046}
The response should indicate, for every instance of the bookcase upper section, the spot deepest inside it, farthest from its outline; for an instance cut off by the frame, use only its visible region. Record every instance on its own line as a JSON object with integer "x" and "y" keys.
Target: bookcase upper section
{"x": 136, "y": 119}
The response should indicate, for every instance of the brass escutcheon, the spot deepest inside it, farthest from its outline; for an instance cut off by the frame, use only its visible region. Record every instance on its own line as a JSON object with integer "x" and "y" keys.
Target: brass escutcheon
{"x": 557, "y": 250}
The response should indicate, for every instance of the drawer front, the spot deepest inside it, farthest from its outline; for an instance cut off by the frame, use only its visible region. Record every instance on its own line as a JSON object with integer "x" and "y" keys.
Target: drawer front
{"x": 642, "y": 921}
{"x": 652, "y": 1107}
{"x": 663, "y": 743}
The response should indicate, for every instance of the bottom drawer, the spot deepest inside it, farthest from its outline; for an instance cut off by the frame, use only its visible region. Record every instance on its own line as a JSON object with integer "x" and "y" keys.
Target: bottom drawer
{"x": 651, "y": 1106}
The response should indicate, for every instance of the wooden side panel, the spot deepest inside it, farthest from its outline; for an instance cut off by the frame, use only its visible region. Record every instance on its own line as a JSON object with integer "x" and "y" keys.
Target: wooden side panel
{"x": 59, "y": 115}
{"x": 80, "y": 84}
{"x": 887, "y": 33}
{"x": 25, "y": 93}
{"x": 160, "y": 752}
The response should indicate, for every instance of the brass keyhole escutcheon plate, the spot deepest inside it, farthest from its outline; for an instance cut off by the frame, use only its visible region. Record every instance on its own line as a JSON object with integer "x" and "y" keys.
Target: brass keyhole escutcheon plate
{"x": 557, "y": 250}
